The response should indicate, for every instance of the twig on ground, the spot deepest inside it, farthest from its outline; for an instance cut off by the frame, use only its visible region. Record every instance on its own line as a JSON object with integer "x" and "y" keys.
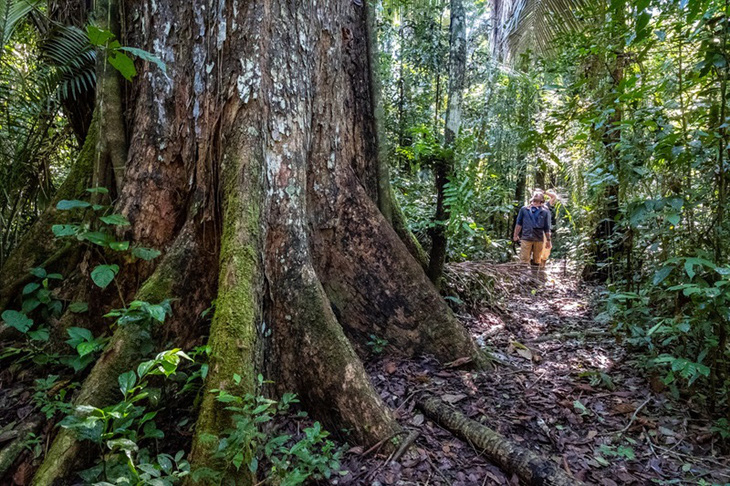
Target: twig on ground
{"x": 407, "y": 443}
{"x": 542, "y": 375}
{"x": 633, "y": 417}
{"x": 379, "y": 444}
{"x": 569, "y": 335}
{"x": 435, "y": 468}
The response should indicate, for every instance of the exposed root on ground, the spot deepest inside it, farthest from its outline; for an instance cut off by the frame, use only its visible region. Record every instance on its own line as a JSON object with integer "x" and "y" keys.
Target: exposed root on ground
{"x": 528, "y": 466}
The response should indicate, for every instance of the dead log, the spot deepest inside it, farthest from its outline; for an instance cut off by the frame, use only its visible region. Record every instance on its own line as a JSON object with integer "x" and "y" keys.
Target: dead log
{"x": 528, "y": 466}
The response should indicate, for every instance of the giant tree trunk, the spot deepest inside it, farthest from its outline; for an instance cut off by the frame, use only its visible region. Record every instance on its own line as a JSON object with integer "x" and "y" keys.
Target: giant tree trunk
{"x": 253, "y": 167}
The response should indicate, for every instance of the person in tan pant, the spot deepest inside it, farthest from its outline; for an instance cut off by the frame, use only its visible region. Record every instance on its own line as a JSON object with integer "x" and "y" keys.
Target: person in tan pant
{"x": 550, "y": 205}
{"x": 533, "y": 230}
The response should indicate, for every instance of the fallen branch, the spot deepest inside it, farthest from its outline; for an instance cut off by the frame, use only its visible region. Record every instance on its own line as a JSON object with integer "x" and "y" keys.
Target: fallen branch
{"x": 528, "y": 466}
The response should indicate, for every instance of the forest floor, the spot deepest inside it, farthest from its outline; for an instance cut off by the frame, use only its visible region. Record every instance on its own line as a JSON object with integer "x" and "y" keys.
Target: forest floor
{"x": 562, "y": 386}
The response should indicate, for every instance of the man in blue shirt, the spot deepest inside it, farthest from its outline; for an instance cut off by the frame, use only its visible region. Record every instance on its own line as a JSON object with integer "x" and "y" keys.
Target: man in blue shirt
{"x": 532, "y": 228}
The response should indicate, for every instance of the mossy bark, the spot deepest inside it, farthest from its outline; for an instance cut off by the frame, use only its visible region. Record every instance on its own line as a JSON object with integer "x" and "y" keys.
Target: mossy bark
{"x": 111, "y": 152}
{"x": 10, "y": 452}
{"x": 234, "y": 333}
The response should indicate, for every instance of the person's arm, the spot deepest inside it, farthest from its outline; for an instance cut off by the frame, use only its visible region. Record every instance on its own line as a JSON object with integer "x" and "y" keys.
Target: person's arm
{"x": 553, "y": 201}
{"x": 518, "y": 227}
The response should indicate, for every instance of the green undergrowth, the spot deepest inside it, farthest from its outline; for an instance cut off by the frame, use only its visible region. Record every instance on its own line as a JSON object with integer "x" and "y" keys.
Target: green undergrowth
{"x": 678, "y": 323}
{"x": 142, "y": 437}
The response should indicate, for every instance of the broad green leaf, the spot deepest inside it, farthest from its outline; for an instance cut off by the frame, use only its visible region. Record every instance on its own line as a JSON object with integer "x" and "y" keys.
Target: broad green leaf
{"x": 127, "y": 381}
{"x": 157, "y": 312}
{"x": 44, "y": 295}
{"x": 146, "y": 56}
{"x": 662, "y": 274}
{"x": 100, "y": 238}
{"x": 148, "y": 416}
{"x": 78, "y": 307}
{"x": 124, "y": 64}
{"x": 122, "y": 444}
{"x": 41, "y": 334}
{"x": 68, "y": 204}
{"x": 17, "y": 320}
{"x": 237, "y": 460}
{"x": 86, "y": 347}
{"x": 98, "y": 190}
{"x": 97, "y": 36}
{"x": 61, "y": 230}
{"x": 145, "y": 367}
{"x": 119, "y": 245}
{"x": 152, "y": 471}
{"x": 29, "y": 305}
{"x": 39, "y": 272}
{"x": 79, "y": 334}
{"x": 152, "y": 432}
{"x": 642, "y": 22}
{"x": 30, "y": 288}
{"x": 673, "y": 218}
{"x": 165, "y": 463}
{"x": 145, "y": 253}
{"x": 104, "y": 274}
{"x": 115, "y": 219}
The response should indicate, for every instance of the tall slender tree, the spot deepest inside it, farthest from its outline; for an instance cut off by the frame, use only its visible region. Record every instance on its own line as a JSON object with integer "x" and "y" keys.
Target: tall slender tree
{"x": 444, "y": 165}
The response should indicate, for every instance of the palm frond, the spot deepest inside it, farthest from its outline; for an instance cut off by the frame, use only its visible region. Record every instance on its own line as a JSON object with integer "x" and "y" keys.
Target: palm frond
{"x": 11, "y": 13}
{"x": 72, "y": 58}
{"x": 533, "y": 24}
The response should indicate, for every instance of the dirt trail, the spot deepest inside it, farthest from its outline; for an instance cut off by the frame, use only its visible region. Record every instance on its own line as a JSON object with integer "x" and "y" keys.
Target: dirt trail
{"x": 564, "y": 387}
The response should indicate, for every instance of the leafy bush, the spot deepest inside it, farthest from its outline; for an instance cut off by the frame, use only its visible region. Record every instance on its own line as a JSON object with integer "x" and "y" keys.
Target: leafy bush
{"x": 682, "y": 321}
{"x": 123, "y": 431}
{"x": 254, "y": 442}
